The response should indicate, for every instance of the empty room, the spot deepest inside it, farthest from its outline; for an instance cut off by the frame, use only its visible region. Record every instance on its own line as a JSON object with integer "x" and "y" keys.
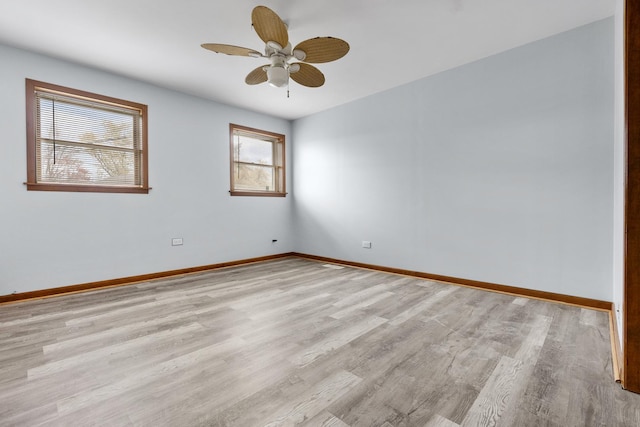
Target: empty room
{"x": 338, "y": 213}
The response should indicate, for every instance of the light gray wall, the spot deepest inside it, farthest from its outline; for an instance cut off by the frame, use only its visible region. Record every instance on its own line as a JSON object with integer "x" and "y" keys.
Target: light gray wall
{"x": 50, "y": 239}
{"x": 501, "y": 170}
{"x": 498, "y": 171}
{"x": 619, "y": 169}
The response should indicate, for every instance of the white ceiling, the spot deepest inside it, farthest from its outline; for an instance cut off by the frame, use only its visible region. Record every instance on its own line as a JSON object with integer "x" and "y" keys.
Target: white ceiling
{"x": 392, "y": 41}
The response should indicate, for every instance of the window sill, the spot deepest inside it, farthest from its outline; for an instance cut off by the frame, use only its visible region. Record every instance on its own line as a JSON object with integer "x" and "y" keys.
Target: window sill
{"x": 257, "y": 193}
{"x": 33, "y": 186}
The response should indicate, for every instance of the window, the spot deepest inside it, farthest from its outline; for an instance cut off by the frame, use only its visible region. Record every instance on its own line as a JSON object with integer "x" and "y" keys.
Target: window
{"x": 257, "y": 162}
{"x": 80, "y": 141}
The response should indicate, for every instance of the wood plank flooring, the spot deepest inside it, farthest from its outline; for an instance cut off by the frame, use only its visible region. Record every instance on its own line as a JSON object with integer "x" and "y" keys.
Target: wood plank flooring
{"x": 295, "y": 342}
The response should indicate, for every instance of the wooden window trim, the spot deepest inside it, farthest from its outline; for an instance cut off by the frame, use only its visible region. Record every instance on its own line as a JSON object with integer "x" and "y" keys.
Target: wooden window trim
{"x": 32, "y": 183}
{"x": 254, "y": 193}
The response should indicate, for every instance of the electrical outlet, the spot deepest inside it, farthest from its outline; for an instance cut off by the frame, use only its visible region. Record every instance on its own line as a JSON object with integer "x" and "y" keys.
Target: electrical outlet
{"x": 177, "y": 241}
{"x": 366, "y": 244}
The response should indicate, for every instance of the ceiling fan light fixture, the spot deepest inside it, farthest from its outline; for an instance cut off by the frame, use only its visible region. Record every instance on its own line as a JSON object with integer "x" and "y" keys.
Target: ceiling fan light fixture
{"x": 277, "y": 76}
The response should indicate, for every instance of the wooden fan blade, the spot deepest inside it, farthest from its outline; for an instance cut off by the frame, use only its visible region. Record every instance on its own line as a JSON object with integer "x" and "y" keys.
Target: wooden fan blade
{"x": 269, "y": 26}
{"x": 257, "y": 76}
{"x": 323, "y": 49}
{"x": 231, "y": 50}
{"x": 308, "y": 75}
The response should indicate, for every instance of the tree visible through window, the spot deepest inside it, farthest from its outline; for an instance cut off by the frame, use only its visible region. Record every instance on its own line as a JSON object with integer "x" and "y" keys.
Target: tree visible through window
{"x": 79, "y": 141}
{"x": 257, "y": 162}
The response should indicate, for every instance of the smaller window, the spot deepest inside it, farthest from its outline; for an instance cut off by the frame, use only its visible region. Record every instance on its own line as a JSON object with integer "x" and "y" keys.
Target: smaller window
{"x": 257, "y": 162}
{"x": 81, "y": 141}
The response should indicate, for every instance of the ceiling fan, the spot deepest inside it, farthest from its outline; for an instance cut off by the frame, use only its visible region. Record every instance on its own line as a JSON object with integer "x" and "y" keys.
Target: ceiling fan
{"x": 273, "y": 31}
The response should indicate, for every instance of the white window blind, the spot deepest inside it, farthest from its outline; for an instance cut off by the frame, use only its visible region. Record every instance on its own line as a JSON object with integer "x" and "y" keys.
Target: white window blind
{"x": 85, "y": 141}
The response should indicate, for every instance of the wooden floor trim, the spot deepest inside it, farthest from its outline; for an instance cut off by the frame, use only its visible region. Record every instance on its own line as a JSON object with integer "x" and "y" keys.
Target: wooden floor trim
{"x": 46, "y": 293}
{"x": 512, "y": 290}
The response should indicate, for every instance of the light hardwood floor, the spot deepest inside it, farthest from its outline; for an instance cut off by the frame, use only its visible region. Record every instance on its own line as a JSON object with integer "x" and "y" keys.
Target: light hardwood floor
{"x": 293, "y": 341}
